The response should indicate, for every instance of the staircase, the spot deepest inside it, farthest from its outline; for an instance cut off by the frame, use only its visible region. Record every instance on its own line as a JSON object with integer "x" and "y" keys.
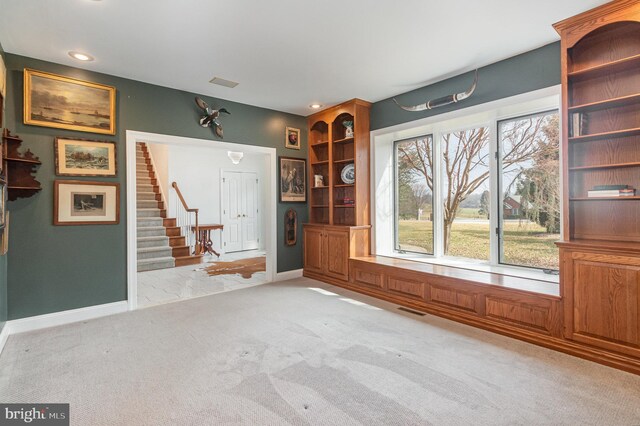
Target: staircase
{"x": 160, "y": 243}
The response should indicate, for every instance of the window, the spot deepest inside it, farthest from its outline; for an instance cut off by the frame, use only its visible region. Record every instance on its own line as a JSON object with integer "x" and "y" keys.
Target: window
{"x": 530, "y": 190}
{"x": 414, "y": 195}
{"x": 489, "y": 193}
{"x": 465, "y": 169}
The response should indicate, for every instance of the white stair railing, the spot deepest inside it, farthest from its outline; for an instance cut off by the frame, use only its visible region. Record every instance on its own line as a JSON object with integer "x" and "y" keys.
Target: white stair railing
{"x": 187, "y": 221}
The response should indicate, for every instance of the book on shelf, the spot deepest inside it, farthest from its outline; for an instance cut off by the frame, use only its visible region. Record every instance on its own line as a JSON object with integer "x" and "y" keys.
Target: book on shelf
{"x": 609, "y": 187}
{"x": 626, "y": 192}
{"x": 346, "y": 201}
{"x": 578, "y": 124}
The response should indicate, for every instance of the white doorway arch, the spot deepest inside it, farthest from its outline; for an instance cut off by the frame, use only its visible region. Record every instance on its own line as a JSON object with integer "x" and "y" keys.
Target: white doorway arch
{"x": 133, "y": 137}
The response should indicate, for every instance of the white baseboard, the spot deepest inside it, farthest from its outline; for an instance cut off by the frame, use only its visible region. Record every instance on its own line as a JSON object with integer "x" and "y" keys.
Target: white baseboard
{"x": 288, "y": 275}
{"x": 65, "y": 317}
{"x": 4, "y": 335}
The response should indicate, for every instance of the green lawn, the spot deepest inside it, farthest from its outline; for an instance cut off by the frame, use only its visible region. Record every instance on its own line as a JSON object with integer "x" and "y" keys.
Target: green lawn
{"x": 525, "y": 243}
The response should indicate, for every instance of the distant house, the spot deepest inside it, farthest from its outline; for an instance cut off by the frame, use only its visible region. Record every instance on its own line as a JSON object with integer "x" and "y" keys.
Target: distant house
{"x": 512, "y": 207}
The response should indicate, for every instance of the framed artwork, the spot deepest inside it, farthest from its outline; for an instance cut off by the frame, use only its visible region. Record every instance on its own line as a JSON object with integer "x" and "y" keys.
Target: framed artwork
{"x": 293, "y": 180}
{"x": 292, "y": 138}
{"x": 4, "y": 245}
{"x": 86, "y": 203}
{"x": 81, "y": 157}
{"x": 3, "y": 80}
{"x": 52, "y": 100}
{"x": 290, "y": 227}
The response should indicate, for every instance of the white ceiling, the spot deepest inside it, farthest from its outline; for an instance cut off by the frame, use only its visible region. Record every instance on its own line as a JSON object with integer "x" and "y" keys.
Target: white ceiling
{"x": 286, "y": 54}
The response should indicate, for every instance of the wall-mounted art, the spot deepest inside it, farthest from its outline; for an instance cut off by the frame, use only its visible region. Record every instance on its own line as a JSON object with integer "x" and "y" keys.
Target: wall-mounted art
{"x": 52, "y": 100}
{"x": 290, "y": 227}
{"x": 3, "y": 79}
{"x": 86, "y": 203}
{"x": 3, "y": 204}
{"x": 292, "y": 138}
{"x": 293, "y": 180}
{"x": 80, "y": 157}
{"x": 4, "y": 245}
{"x": 210, "y": 117}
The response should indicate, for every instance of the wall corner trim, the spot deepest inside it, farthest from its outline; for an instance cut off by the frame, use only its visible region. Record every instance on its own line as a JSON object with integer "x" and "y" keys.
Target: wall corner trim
{"x": 288, "y": 275}
{"x": 38, "y": 322}
{"x": 4, "y": 335}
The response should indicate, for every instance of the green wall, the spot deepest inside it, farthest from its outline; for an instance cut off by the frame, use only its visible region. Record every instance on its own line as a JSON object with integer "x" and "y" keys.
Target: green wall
{"x": 55, "y": 268}
{"x": 3, "y": 264}
{"x": 527, "y": 72}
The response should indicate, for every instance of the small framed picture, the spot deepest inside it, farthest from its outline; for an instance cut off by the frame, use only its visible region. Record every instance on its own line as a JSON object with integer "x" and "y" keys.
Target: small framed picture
{"x": 3, "y": 204}
{"x": 293, "y": 180}
{"x": 80, "y": 157}
{"x": 292, "y": 140}
{"x": 86, "y": 203}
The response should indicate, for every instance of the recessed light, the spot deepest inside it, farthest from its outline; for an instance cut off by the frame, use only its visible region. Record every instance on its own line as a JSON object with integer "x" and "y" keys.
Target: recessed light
{"x": 315, "y": 106}
{"x": 80, "y": 56}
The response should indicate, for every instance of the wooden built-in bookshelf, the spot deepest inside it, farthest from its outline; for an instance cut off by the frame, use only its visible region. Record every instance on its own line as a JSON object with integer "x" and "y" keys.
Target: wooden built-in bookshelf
{"x": 19, "y": 168}
{"x": 330, "y": 150}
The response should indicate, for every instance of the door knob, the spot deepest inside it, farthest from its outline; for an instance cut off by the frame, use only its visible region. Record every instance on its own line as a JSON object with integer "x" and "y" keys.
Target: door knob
{"x": 239, "y": 216}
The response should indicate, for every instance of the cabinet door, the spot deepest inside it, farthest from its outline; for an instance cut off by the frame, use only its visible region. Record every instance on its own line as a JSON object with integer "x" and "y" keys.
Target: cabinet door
{"x": 313, "y": 242}
{"x": 603, "y": 301}
{"x": 337, "y": 254}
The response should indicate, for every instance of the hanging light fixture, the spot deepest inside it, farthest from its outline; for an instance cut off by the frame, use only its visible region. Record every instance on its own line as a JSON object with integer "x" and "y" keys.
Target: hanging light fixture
{"x": 235, "y": 156}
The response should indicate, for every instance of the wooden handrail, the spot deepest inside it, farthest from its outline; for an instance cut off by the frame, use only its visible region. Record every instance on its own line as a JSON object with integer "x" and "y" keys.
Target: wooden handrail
{"x": 186, "y": 207}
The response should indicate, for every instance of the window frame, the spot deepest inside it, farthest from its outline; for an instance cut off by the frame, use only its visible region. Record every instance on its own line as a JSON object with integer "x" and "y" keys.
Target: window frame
{"x": 436, "y": 130}
{"x": 396, "y": 198}
{"x": 500, "y": 211}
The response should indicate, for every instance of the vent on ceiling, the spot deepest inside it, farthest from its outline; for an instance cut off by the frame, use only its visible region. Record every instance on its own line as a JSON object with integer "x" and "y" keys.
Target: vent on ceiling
{"x": 222, "y": 82}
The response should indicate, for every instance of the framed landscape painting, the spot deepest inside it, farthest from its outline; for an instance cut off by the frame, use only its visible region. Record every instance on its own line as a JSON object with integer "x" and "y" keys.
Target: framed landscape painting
{"x": 52, "y": 100}
{"x": 80, "y": 157}
{"x": 86, "y": 203}
{"x": 293, "y": 180}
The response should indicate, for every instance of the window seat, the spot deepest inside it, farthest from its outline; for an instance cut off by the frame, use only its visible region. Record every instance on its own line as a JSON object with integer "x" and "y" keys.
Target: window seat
{"x": 498, "y": 280}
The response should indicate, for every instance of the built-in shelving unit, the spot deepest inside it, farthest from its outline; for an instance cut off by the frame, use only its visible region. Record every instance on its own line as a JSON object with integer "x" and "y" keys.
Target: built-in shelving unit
{"x": 19, "y": 168}
{"x": 331, "y": 150}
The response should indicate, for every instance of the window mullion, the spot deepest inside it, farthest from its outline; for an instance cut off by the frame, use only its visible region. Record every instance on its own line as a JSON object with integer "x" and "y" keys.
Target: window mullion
{"x": 438, "y": 195}
{"x": 494, "y": 193}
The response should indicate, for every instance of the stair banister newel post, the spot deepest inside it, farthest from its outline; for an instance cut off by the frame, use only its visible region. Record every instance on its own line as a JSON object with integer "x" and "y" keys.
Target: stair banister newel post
{"x": 184, "y": 215}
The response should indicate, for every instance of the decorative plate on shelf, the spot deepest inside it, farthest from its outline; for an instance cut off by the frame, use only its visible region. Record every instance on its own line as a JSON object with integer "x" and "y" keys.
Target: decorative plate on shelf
{"x": 348, "y": 174}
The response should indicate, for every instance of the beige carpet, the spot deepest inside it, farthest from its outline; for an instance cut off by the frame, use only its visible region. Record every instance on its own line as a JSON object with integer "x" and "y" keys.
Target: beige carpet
{"x": 286, "y": 354}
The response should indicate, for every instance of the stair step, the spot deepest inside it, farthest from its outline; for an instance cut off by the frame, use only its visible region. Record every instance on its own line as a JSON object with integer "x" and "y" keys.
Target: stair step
{"x": 154, "y": 252}
{"x": 152, "y": 231}
{"x": 150, "y": 221}
{"x": 149, "y": 212}
{"x": 188, "y": 260}
{"x": 156, "y": 241}
{"x": 177, "y": 241}
{"x": 146, "y": 196}
{"x": 147, "y": 204}
{"x": 180, "y": 251}
{"x": 159, "y": 263}
{"x": 172, "y": 231}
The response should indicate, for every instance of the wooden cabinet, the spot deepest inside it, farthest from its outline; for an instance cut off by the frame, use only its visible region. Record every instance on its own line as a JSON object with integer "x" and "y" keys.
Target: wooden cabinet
{"x": 602, "y": 299}
{"x": 327, "y": 249}
{"x": 339, "y": 201}
{"x": 600, "y": 248}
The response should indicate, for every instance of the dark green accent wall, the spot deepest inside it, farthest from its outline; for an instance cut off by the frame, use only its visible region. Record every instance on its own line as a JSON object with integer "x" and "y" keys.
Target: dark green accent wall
{"x": 527, "y": 72}
{"x": 56, "y": 268}
{"x": 3, "y": 263}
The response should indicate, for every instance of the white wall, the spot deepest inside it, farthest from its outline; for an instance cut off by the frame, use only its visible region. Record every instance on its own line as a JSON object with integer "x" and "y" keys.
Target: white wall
{"x": 160, "y": 157}
{"x": 197, "y": 171}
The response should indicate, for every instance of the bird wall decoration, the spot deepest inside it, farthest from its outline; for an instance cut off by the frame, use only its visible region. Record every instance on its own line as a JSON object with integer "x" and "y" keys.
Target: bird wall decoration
{"x": 210, "y": 119}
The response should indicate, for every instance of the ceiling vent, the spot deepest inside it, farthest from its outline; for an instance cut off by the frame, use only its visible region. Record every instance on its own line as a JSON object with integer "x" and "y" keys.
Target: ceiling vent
{"x": 222, "y": 82}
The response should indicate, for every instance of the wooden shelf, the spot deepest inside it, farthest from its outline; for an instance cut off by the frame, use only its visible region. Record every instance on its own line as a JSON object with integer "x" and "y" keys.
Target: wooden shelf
{"x": 344, "y": 185}
{"x": 608, "y": 103}
{"x": 325, "y": 143}
{"x": 606, "y": 68}
{"x": 345, "y": 140}
{"x": 24, "y": 188}
{"x": 320, "y": 163}
{"x": 348, "y": 160}
{"x": 628, "y": 197}
{"x": 320, "y": 206}
{"x": 319, "y": 187}
{"x": 344, "y": 206}
{"x": 23, "y": 160}
{"x": 605, "y": 166}
{"x": 606, "y": 135}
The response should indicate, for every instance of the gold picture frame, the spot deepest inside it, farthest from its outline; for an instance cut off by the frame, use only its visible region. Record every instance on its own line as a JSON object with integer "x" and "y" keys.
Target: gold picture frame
{"x": 52, "y": 100}
{"x": 84, "y": 157}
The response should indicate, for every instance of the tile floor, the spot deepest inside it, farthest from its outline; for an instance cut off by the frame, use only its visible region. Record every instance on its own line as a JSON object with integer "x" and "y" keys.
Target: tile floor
{"x": 175, "y": 284}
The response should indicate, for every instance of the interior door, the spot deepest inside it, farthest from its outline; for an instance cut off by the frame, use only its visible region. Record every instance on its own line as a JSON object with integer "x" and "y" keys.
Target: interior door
{"x": 232, "y": 211}
{"x": 249, "y": 202}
